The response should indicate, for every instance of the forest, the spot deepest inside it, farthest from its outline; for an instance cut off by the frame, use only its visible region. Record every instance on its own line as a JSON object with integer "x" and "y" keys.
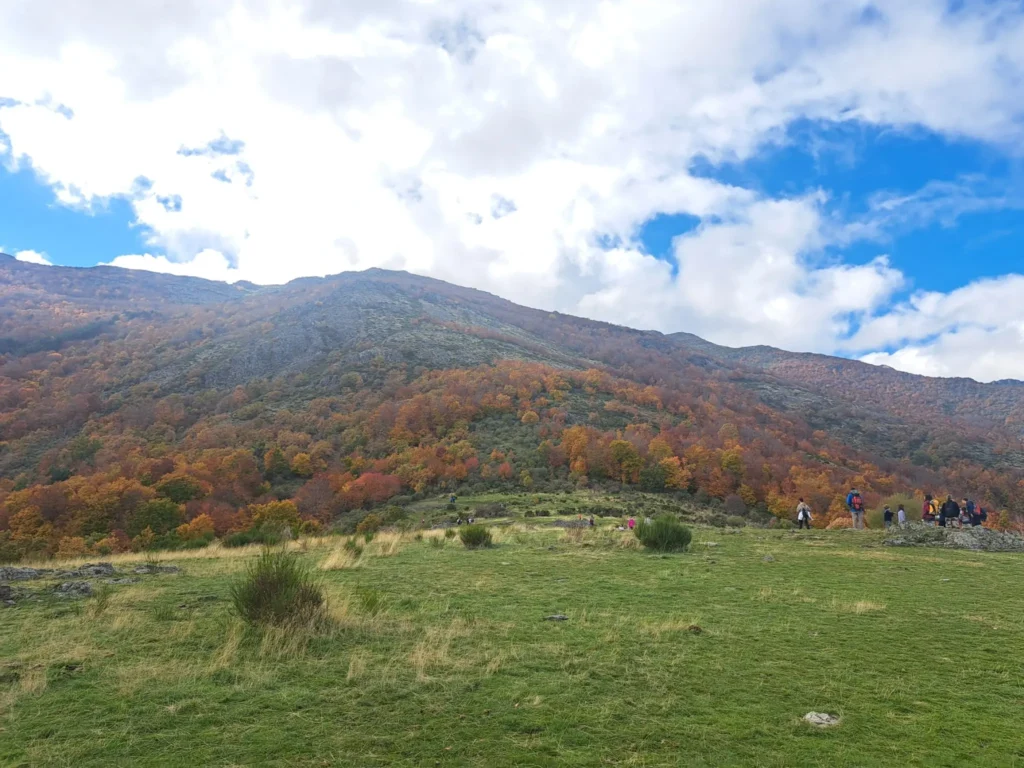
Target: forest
{"x": 134, "y": 417}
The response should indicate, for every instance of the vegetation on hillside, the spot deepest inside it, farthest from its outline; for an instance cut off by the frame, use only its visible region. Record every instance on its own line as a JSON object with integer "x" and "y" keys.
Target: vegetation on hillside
{"x": 192, "y": 410}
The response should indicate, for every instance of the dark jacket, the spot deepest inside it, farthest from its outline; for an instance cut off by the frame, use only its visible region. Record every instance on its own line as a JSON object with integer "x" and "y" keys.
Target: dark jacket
{"x": 950, "y": 510}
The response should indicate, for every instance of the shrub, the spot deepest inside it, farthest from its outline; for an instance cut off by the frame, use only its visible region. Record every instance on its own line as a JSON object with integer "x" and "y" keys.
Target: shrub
{"x": 370, "y": 524}
{"x": 716, "y": 519}
{"x": 256, "y": 536}
{"x": 437, "y": 542}
{"x": 839, "y": 523}
{"x": 664, "y": 534}
{"x": 277, "y": 589}
{"x": 475, "y": 536}
{"x": 450, "y": 507}
{"x": 735, "y": 521}
{"x": 785, "y": 524}
{"x": 449, "y": 533}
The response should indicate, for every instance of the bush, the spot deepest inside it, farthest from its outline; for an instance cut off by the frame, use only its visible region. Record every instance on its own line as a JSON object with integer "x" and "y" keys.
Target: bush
{"x": 840, "y": 523}
{"x": 735, "y": 521}
{"x": 664, "y": 534}
{"x": 370, "y": 524}
{"x": 277, "y": 589}
{"x": 449, "y": 533}
{"x": 475, "y": 536}
{"x": 255, "y": 536}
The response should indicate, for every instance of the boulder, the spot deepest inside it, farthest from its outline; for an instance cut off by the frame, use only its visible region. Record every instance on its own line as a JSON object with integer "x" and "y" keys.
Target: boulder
{"x": 976, "y": 539}
{"x": 148, "y": 568}
{"x": 821, "y": 719}
{"x": 74, "y": 589}
{"x": 10, "y": 573}
{"x": 7, "y": 595}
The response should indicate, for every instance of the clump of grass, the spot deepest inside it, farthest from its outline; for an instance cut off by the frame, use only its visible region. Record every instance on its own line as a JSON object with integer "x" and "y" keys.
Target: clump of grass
{"x": 372, "y": 601}
{"x": 277, "y": 589}
{"x": 100, "y": 601}
{"x": 449, "y": 533}
{"x": 664, "y": 534}
{"x": 164, "y": 612}
{"x": 437, "y": 542}
{"x": 475, "y": 536}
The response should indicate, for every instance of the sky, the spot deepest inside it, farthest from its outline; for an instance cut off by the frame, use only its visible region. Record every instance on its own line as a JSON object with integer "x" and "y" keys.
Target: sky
{"x": 833, "y": 176}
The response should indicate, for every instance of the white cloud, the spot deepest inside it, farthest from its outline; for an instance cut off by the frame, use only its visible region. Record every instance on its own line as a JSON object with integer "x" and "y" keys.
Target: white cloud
{"x": 33, "y": 257}
{"x": 388, "y": 133}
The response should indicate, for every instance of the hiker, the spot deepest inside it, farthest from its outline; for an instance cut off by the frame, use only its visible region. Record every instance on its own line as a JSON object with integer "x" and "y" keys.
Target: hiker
{"x": 901, "y": 516}
{"x": 803, "y": 515}
{"x": 591, "y": 521}
{"x": 929, "y": 510}
{"x": 451, "y": 499}
{"x": 887, "y": 516}
{"x": 855, "y": 503}
{"x": 631, "y": 523}
{"x": 978, "y": 516}
{"x": 949, "y": 510}
{"x": 966, "y": 508}
{"x": 458, "y": 521}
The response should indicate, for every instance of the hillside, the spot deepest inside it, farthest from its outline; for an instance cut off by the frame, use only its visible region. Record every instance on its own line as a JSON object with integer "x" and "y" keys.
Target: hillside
{"x": 342, "y": 392}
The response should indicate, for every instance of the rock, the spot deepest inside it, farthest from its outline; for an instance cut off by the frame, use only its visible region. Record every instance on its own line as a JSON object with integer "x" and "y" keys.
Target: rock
{"x": 710, "y": 543}
{"x": 768, "y": 559}
{"x": 96, "y": 569}
{"x": 74, "y": 589}
{"x": 149, "y": 568}
{"x": 7, "y": 595}
{"x": 21, "y": 574}
{"x": 976, "y": 539}
{"x": 557, "y": 617}
{"x": 821, "y": 719}
{"x": 123, "y": 580}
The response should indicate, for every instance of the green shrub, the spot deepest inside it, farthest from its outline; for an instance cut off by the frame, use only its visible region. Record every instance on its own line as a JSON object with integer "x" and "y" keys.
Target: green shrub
{"x": 278, "y": 589}
{"x": 449, "y": 533}
{"x": 254, "y": 536}
{"x": 735, "y": 521}
{"x": 785, "y": 524}
{"x": 418, "y": 537}
{"x": 664, "y": 534}
{"x": 370, "y": 524}
{"x": 475, "y": 536}
{"x": 437, "y": 542}
{"x": 368, "y": 537}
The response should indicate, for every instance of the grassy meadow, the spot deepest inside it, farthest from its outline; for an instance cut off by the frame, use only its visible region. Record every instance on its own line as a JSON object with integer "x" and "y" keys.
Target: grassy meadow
{"x": 440, "y": 656}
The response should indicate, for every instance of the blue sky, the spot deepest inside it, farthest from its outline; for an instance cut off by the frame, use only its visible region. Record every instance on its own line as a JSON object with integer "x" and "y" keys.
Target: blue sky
{"x": 840, "y": 177}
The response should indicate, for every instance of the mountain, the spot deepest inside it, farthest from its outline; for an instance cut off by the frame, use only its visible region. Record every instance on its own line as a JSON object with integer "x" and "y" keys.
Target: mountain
{"x": 114, "y": 376}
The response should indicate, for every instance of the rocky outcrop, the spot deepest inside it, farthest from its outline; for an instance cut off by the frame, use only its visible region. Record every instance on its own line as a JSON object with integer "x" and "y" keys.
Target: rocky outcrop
{"x": 976, "y": 539}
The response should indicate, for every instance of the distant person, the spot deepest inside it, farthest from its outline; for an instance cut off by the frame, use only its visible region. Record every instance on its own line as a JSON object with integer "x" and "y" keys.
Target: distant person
{"x": 458, "y": 521}
{"x": 929, "y": 511}
{"x": 855, "y": 503}
{"x": 948, "y": 512}
{"x": 979, "y": 516}
{"x": 887, "y": 516}
{"x": 631, "y": 523}
{"x": 803, "y": 515}
{"x": 901, "y": 516}
{"x": 451, "y": 499}
{"x": 591, "y": 521}
{"x": 965, "y": 512}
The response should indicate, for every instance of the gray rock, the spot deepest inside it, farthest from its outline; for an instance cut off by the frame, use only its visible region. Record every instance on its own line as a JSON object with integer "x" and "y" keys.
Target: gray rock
{"x": 7, "y": 595}
{"x": 74, "y": 589}
{"x": 768, "y": 559}
{"x": 557, "y": 617}
{"x": 11, "y": 573}
{"x": 149, "y": 568}
{"x": 821, "y": 719}
{"x": 96, "y": 569}
{"x": 123, "y": 580}
{"x": 974, "y": 539}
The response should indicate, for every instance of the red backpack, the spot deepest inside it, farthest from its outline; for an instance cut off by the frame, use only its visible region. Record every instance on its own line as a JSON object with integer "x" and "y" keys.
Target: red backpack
{"x": 857, "y": 502}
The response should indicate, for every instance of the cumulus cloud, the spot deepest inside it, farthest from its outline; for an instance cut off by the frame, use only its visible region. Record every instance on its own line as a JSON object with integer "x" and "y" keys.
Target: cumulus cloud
{"x": 33, "y": 257}
{"x": 515, "y": 147}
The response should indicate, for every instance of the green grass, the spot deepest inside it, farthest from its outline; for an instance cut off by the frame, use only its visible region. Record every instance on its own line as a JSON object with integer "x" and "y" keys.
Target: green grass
{"x": 441, "y": 656}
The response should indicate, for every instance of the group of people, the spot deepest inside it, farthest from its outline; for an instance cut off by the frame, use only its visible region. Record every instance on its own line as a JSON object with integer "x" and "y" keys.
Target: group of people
{"x": 949, "y": 513}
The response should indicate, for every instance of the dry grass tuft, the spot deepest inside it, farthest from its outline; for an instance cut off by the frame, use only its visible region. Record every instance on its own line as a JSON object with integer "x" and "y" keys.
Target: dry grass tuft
{"x": 858, "y": 607}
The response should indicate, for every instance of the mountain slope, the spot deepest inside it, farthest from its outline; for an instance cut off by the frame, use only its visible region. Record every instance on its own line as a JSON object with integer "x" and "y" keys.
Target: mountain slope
{"x": 108, "y": 374}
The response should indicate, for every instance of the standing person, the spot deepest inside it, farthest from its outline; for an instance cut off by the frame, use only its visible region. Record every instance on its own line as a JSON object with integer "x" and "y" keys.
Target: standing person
{"x": 901, "y": 516}
{"x": 591, "y": 521}
{"x": 803, "y": 515}
{"x": 949, "y": 510}
{"x": 887, "y": 516}
{"x": 855, "y": 503}
{"x": 978, "y": 516}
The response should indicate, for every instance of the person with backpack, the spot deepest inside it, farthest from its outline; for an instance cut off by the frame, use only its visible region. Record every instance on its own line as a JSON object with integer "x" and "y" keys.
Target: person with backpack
{"x": 855, "y": 503}
{"x": 979, "y": 516}
{"x": 929, "y": 511}
{"x": 949, "y": 510}
{"x": 887, "y": 516}
{"x": 803, "y": 515}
